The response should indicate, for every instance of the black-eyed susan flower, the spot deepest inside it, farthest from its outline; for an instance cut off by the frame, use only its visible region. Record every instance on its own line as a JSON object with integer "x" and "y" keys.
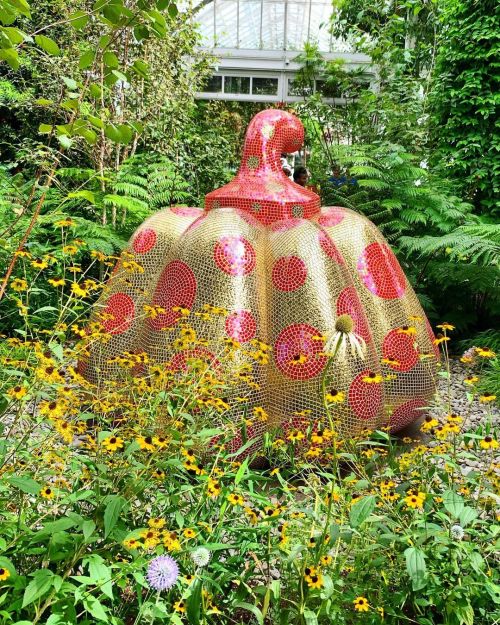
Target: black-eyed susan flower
{"x": 361, "y": 604}
{"x": 17, "y": 392}
{"x": 131, "y": 543}
{"x": 334, "y": 396}
{"x": 19, "y": 285}
{"x": 298, "y": 359}
{"x": 440, "y": 338}
{"x": 485, "y": 352}
{"x": 145, "y": 443}
{"x": 77, "y": 290}
{"x": 295, "y": 435}
{"x": 408, "y": 330}
{"x": 235, "y": 499}
{"x": 47, "y": 493}
{"x": 445, "y": 326}
{"x": 158, "y": 474}
{"x": 112, "y": 443}
{"x": 372, "y": 378}
{"x": 189, "y": 533}
{"x": 487, "y": 397}
{"x": 156, "y": 523}
{"x": 260, "y": 413}
{"x": 471, "y": 380}
{"x": 315, "y": 580}
{"x": 488, "y": 442}
{"x": 180, "y": 606}
{"x": 4, "y": 574}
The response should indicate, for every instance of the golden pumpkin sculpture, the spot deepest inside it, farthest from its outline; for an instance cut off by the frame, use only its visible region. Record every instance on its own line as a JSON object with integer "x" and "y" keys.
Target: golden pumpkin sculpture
{"x": 315, "y": 300}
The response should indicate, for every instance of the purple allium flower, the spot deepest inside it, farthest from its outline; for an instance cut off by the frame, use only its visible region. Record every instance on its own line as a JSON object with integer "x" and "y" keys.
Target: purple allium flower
{"x": 163, "y": 572}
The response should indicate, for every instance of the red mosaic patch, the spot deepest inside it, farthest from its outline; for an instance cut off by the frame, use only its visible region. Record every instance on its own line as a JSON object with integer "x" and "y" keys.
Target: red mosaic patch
{"x": 144, "y": 240}
{"x": 401, "y": 347}
{"x": 365, "y": 398}
{"x": 331, "y": 216}
{"x": 186, "y": 211}
{"x": 380, "y": 271}
{"x": 329, "y": 247}
{"x": 289, "y": 273}
{"x": 180, "y": 362}
{"x": 118, "y": 314}
{"x": 234, "y": 255}
{"x": 241, "y": 325}
{"x": 407, "y": 413}
{"x": 176, "y": 288}
{"x": 297, "y": 354}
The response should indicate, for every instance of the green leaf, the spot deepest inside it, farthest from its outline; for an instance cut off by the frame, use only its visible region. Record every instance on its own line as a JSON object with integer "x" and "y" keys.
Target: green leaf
{"x": 39, "y": 586}
{"x": 65, "y": 141}
{"x": 241, "y": 471}
{"x": 110, "y": 59}
{"x": 453, "y": 503}
{"x": 79, "y": 19}
{"x": 88, "y": 195}
{"x": 88, "y": 528}
{"x": 45, "y": 129}
{"x": 310, "y": 617}
{"x": 95, "y": 607}
{"x": 115, "y": 505}
{"x": 86, "y": 59}
{"x": 5, "y": 563}
{"x": 141, "y": 68}
{"x": 467, "y": 515}
{"x": 361, "y": 510}
{"x": 70, "y": 83}
{"x": 48, "y": 44}
{"x": 101, "y": 574}
{"x": 26, "y": 484}
{"x": 251, "y": 608}
{"x": 193, "y": 603}
{"x": 11, "y": 57}
{"x": 415, "y": 566}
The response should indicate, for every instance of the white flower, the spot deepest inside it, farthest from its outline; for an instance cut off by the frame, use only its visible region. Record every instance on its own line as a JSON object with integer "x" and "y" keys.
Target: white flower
{"x": 424, "y": 165}
{"x": 418, "y": 182}
{"x": 344, "y": 335}
{"x": 201, "y": 556}
{"x": 457, "y": 532}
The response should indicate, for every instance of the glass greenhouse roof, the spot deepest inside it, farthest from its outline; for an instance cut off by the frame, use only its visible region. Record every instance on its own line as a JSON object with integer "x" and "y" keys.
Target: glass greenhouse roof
{"x": 267, "y": 24}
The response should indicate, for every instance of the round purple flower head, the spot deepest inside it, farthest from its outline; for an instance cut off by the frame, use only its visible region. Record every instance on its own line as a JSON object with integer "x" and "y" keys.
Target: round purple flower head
{"x": 162, "y": 573}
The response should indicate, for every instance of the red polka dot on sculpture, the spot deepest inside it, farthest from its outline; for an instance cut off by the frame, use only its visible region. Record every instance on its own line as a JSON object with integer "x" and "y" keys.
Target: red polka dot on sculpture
{"x": 407, "y": 413}
{"x": 289, "y": 273}
{"x": 380, "y": 271}
{"x": 365, "y": 398}
{"x": 401, "y": 347}
{"x": 348, "y": 303}
{"x": 329, "y": 247}
{"x": 241, "y": 326}
{"x": 331, "y": 216}
{"x": 144, "y": 241}
{"x": 297, "y": 354}
{"x": 118, "y": 314}
{"x": 234, "y": 255}
{"x": 176, "y": 289}
{"x": 186, "y": 211}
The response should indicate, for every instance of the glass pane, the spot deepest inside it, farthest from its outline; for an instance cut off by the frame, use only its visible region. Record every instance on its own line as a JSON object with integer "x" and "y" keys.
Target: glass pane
{"x": 236, "y": 84}
{"x": 213, "y": 85}
{"x": 297, "y": 88}
{"x": 273, "y": 26}
{"x": 249, "y": 25}
{"x": 205, "y": 19}
{"x": 265, "y": 86}
{"x": 297, "y": 22}
{"x": 226, "y": 12}
{"x": 318, "y": 30}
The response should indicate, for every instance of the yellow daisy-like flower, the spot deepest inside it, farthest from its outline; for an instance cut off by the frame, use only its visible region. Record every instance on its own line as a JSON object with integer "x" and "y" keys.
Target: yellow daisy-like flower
{"x": 260, "y": 413}
{"x": 414, "y": 501}
{"x": 485, "y": 352}
{"x": 55, "y": 282}
{"x": 409, "y": 330}
{"x": 180, "y": 606}
{"x": 440, "y": 338}
{"x": 390, "y": 361}
{"x": 326, "y": 560}
{"x": 19, "y": 284}
{"x": 487, "y": 397}
{"x": 471, "y": 380}
{"x": 315, "y": 580}
{"x": 445, "y": 326}
{"x": 372, "y": 378}
{"x": 335, "y": 397}
{"x": 488, "y": 442}
{"x": 4, "y": 574}
{"x": 158, "y": 474}
{"x": 77, "y": 290}
{"x": 295, "y": 435}
{"x": 361, "y": 604}
{"x": 39, "y": 264}
{"x": 145, "y": 442}
{"x": 17, "y": 392}
{"x": 131, "y": 543}
{"x": 213, "y": 488}
{"x": 47, "y": 493}
{"x": 112, "y": 443}
{"x": 454, "y": 418}
{"x": 298, "y": 359}
{"x": 156, "y": 523}
{"x": 235, "y": 499}
{"x": 189, "y": 533}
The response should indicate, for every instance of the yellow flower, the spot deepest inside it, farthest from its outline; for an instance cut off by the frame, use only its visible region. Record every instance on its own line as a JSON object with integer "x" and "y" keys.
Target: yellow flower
{"x": 372, "y": 378}
{"x": 77, "y": 290}
{"x": 63, "y": 223}
{"x": 295, "y": 435}
{"x": 145, "y": 442}
{"x": 409, "y": 330}
{"x": 485, "y": 352}
{"x": 56, "y": 282}
{"x": 390, "y": 361}
{"x": 445, "y": 326}
{"x": 39, "y": 264}
{"x": 113, "y": 443}
{"x": 251, "y": 515}
{"x": 335, "y": 396}
{"x": 180, "y": 606}
{"x": 18, "y": 284}
{"x": 315, "y": 580}
{"x": 361, "y": 604}
{"x": 131, "y": 543}
{"x": 298, "y": 359}
{"x": 235, "y": 499}
{"x": 486, "y": 397}
{"x": 260, "y": 413}
{"x": 4, "y": 574}
{"x": 189, "y": 533}
{"x": 156, "y": 523}
{"x": 213, "y": 488}
{"x": 414, "y": 501}
{"x": 440, "y": 338}
{"x": 17, "y": 392}
{"x": 488, "y": 442}
{"x": 158, "y": 474}
{"x": 471, "y": 380}
{"x": 47, "y": 492}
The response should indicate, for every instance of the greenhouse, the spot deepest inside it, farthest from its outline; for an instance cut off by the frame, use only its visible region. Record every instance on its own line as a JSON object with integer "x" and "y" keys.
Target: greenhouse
{"x": 249, "y": 304}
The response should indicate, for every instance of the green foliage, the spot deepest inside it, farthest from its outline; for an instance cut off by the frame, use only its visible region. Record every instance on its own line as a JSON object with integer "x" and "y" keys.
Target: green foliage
{"x": 465, "y": 99}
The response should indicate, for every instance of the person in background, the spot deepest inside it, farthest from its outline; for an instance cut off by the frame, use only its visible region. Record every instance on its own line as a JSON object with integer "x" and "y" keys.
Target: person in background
{"x": 287, "y": 168}
{"x": 300, "y": 176}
